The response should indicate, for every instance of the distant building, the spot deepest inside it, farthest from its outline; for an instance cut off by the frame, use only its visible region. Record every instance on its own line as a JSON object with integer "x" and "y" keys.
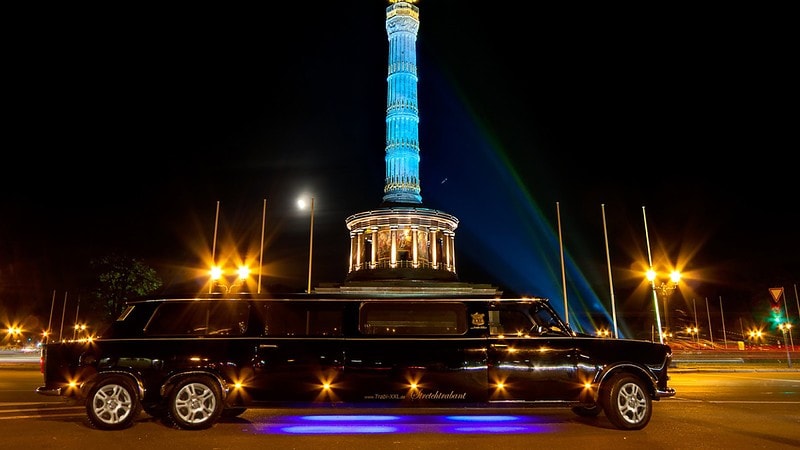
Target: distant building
{"x": 401, "y": 246}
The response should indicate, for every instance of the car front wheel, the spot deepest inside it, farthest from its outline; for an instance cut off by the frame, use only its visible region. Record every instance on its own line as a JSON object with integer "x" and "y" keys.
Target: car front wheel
{"x": 112, "y": 403}
{"x": 626, "y": 402}
{"x": 195, "y": 403}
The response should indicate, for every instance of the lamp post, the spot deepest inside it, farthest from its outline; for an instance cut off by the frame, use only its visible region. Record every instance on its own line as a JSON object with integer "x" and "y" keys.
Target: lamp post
{"x": 665, "y": 289}
{"x": 80, "y": 330}
{"x": 786, "y": 327}
{"x": 15, "y": 335}
{"x": 302, "y": 204}
{"x": 755, "y": 337}
{"x": 218, "y": 280}
{"x": 692, "y": 331}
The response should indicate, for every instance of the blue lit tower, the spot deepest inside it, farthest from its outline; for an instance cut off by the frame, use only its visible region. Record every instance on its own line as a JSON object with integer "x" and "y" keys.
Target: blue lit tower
{"x": 402, "y": 245}
{"x": 402, "y": 111}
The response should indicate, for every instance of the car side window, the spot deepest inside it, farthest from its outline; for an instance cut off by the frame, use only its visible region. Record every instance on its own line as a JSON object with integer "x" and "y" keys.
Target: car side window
{"x": 302, "y": 319}
{"x": 547, "y": 322}
{"x": 199, "y": 319}
{"x": 413, "y": 318}
{"x": 509, "y": 322}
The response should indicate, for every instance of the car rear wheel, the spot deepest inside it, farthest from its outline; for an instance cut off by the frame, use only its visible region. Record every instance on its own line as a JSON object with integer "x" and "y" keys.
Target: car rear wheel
{"x": 626, "y": 402}
{"x": 112, "y": 403}
{"x": 195, "y": 403}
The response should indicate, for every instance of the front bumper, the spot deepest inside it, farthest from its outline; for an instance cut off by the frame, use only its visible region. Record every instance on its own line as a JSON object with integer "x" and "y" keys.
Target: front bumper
{"x": 668, "y": 392}
{"x": 50, "y": 392}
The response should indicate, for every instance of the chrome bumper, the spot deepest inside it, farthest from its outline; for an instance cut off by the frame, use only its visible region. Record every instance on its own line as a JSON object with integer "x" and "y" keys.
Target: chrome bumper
{"x": 669, "y": 392}
{"x": 50, "y": 392}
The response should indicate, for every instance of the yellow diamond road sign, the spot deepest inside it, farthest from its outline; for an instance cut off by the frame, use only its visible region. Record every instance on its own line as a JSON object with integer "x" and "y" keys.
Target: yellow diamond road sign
{"x": 776, "y": 293}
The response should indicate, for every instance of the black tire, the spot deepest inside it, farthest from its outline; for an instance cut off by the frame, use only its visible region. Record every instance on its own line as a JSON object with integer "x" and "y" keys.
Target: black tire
{"x": 112, "y": 403}
{"x": 588, "y": 411}
{"x": 235, "y": 411}
{"x": 626, "y": 402}
{"x": 195, "y": 403}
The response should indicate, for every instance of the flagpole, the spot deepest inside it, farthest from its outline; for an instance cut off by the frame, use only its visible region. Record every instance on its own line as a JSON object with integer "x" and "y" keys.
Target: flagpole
{"x": 710, "y": 332}
{"x": 563, "y": 275}
{"x": 653, "y": 281}
{"x": 796, "y": 299}
{"x": 786, "y": 311}
{"x": 610, "y": 281}
{"x": 214, "y": 249}
{"x": 261, "y": 257}
{"x": 50, "y": 322}
{"x": 63, "y": 312}
{"x": 722, "y": 315}
{"x": 75, "y": 325}
{"x": 697, "y": 330}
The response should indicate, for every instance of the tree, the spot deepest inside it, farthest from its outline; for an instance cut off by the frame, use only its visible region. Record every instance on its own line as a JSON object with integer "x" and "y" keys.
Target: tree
{"x": 121, "y": 279}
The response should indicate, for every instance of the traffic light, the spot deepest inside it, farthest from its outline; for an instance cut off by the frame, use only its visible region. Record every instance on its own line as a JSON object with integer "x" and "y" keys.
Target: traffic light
{"x": 775, "y": 314}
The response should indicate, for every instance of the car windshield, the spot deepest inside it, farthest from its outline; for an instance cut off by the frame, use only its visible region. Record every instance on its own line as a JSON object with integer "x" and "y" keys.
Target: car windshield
{"x": 548, "y": 321}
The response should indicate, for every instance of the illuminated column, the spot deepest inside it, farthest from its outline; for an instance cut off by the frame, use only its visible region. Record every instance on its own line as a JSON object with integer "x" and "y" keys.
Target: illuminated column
{"x": 373, "y": 249}
{"x": 352, "y": 243}
{"x": 448, "y": 252}
{"x": 402, "y": 112}
{"x": 434, "y": 253}
{"x": 453, "y": 252}
{"x": 359, "y": 250}
{"x": 393, "y": 237}
{"x": 414, "y": 257}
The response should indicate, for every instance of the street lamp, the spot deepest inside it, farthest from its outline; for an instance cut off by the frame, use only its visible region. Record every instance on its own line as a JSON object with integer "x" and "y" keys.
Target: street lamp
{"x": 79, "y": 329}
{"x": 755, "y": 337}
{"x": 692, "y": 331}
{"x": 786, "y": 328}
{"x": 219, "y": 281}
{"x": 665, "y": 289}
{"x": 302, "y": 204}
{"x": 15, "y": 335}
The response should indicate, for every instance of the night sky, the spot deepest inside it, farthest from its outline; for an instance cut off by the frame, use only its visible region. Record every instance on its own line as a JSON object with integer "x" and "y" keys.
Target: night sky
{"x": 125, "y": 127}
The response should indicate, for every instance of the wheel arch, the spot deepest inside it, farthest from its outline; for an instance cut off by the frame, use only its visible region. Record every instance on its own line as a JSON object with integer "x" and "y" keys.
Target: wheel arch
{"x": 169, "y": 384}
{"x": 632, "y": 369}
{"x": 99, "y": 376}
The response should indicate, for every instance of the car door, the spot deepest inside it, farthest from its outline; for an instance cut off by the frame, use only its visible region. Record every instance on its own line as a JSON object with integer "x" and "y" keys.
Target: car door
{"x": 300, "y": 356}
{"x": 415, "y": 353}
{"x": 526, "y": 365}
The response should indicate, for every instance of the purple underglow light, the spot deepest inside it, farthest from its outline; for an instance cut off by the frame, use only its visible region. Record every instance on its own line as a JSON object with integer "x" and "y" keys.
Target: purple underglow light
{"x": 338, "y": 429}
{"x": 484, "y": 418}
{"x": 405, "y": 424}
{"x": 346, "y": 418}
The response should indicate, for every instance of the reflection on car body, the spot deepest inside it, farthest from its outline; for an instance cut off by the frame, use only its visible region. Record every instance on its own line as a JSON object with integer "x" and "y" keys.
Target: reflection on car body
{"x": 191, "y": 361}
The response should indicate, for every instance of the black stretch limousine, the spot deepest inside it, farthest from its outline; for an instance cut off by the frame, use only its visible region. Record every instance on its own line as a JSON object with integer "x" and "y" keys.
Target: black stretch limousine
{"x": 192, "y": 361}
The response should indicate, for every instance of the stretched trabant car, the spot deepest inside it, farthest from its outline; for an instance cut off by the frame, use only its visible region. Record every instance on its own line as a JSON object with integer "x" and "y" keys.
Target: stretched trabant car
{"x": 192, "y": 361}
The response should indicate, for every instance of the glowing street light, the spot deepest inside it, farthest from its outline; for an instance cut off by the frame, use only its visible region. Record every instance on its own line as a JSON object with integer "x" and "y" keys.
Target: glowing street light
{"x": 302, "y": 205}
{"x": 218, "y": 279}
{"x": 15, "y": 334}
{"x": 692, "y": 331}
{"x": 755, "y": 336}
{"x": 665, "y": 289}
